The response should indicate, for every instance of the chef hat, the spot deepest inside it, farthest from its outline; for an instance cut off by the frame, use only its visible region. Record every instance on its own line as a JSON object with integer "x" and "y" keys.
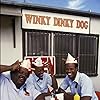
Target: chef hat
{"x": 26, "y": 64}
{"x": 38, "y": 62}
{"x": 70, "y": 59}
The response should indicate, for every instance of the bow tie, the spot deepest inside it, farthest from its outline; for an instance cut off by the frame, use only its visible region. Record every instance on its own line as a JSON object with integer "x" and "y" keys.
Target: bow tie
{"x": 39, "y": 79}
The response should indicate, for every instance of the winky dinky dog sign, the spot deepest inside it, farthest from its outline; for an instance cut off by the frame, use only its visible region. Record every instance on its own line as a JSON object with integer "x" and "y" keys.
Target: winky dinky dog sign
{"x": 54, "y": 21}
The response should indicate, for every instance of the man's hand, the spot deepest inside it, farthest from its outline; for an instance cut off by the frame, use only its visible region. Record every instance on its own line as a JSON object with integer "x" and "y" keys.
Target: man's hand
{"x": 15, "y": 66}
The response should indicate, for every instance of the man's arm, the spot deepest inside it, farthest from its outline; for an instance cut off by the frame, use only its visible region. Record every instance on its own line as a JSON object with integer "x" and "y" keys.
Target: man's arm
{"x": 12, "y": 67}
{"x": 40, "y": 97}
{"x": 54, "y": 82}
{"x": 86, "y": 98}
{"x": 67, "y": 96}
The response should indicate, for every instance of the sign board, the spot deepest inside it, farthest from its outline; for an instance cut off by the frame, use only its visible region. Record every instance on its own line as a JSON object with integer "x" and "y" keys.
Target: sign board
{"x": 48, "y": 61}
{"x": 54, "y": 21}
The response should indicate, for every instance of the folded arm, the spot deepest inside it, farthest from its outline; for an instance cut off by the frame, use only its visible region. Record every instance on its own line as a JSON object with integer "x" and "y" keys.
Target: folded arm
{"x": 67, "y": 96}
{"x": 54, "y": 82}
{"x": 14, "y": 66}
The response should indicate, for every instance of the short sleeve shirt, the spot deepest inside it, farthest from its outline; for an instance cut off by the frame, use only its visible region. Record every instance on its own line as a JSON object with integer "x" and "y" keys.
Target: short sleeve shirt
{"x": 41, "y": 85}
{"x": 10, "y": 92}
{"x": 84, "y": 85}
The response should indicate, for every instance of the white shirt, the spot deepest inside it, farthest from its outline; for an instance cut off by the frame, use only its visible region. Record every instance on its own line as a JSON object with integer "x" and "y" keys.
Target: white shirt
{"x": 41, "y": 85}
{"x": 84, "y": 85}
{"x": 10, "y": 92}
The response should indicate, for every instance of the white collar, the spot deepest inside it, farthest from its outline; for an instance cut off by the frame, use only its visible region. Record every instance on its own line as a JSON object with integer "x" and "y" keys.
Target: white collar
{"x": 77, "y": 77}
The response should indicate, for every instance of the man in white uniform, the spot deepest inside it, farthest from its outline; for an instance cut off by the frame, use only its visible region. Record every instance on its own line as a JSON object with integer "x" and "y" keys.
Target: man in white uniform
{"x": 40, "y": 79}
{"x": 78, "y": 82}
{"x": 13, "y": 84}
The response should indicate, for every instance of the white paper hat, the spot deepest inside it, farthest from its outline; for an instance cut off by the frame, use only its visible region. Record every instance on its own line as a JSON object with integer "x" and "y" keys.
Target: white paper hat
{"x": 70, "y": 59}
{"x": 38, "y": 62}
{"x": 26, "y": 64}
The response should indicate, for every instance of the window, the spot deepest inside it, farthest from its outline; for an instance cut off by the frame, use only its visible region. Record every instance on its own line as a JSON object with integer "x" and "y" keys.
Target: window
{"x": 58, "y": 44}
{"x": 88, "y": 54}
{"x": 63, "y": 44}
{"x": 37, "y": 43}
